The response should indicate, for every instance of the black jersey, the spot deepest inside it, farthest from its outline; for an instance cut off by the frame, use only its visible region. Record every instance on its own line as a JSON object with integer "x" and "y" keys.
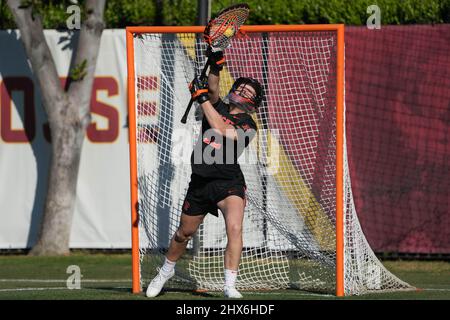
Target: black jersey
{"x": 215, "y": 156}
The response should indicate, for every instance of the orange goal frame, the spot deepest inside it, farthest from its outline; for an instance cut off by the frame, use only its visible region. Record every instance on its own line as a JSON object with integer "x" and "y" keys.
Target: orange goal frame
{"x": 339, "y": 28}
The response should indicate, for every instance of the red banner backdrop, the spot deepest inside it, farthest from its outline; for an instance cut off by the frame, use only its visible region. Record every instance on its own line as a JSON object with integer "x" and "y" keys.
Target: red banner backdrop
{"x": 398, "y": 134}
{"x": 397, "y": 126}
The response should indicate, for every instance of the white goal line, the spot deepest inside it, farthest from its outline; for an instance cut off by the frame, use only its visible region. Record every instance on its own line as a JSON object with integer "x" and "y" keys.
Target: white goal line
{"x": 64, "y": 280}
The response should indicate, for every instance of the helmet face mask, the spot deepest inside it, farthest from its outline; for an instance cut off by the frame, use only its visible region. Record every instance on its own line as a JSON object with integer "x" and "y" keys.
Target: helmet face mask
{"x": 241, "y": 102}
{"x": 244, "y": 97}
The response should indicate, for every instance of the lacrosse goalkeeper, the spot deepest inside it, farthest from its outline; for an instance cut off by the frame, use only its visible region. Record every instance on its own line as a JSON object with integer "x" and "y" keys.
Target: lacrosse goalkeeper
{"x": 217, "y": 181}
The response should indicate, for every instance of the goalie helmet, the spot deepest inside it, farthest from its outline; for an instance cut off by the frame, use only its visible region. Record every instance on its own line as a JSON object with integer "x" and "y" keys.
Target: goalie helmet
{"x": 247, "y": 104}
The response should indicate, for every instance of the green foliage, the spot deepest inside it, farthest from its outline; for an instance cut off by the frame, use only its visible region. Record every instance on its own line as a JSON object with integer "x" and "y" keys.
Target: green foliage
{"x": 122, "y": 13}
{"x": 6, "y": 17}
{"x": 55, "y": 15}
{"x": 350, "y": 12}
{"x": 119, "y": 14}
{"x": 78, "y": 72}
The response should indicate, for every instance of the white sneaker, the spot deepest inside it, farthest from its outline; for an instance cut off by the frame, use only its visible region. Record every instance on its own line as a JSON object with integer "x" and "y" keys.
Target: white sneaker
{"x": 231, "y": 292}
{"x": 155, "y": 287}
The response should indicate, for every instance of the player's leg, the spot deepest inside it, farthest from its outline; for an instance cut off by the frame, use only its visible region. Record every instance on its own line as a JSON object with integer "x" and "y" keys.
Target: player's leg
{"x": 232, "y": 208}
{"x": 188, "y": 226}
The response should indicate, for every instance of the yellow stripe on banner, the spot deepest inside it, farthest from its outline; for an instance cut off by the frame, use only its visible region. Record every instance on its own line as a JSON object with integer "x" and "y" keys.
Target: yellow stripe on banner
{"x": 298, "y": 192}
{"x": 287, "y": 176}
{"x": 188, "y": 41}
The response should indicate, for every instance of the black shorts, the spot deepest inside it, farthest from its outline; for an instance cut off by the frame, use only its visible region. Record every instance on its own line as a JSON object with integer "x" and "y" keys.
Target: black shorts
{"x": 204, "y": 194}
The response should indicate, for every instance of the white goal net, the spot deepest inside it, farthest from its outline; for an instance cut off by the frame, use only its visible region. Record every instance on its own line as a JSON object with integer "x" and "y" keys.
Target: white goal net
{"x": 290, "y": 167}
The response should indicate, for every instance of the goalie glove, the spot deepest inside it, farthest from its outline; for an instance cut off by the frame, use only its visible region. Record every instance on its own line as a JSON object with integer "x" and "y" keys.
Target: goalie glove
{"x": 199, "y": 90}
{"x": 217, "y": 59}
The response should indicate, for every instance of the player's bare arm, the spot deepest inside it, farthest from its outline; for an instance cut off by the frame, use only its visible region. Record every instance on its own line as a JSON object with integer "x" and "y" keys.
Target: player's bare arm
{"x": 200, "y": 92}
{"x": 217, "y": 61}
{"x": 213, "y": 84}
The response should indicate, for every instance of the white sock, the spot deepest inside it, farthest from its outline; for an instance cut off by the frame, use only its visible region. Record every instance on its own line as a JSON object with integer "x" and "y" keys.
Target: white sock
{"x": 168, "y": 267}
{"x": 230, "y": 277}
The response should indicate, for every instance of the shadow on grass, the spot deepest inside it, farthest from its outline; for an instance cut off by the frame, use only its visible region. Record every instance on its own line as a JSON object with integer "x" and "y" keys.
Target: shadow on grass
{"x": 183, "y": 293}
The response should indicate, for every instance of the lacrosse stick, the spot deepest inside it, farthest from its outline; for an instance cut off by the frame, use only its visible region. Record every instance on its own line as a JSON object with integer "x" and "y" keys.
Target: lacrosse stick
{"x": 218, "y": 34}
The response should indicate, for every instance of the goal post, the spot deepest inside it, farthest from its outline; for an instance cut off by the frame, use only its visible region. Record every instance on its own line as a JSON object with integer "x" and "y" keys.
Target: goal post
{"x": 340, "y": 161}
{"x": 300, "y": 228}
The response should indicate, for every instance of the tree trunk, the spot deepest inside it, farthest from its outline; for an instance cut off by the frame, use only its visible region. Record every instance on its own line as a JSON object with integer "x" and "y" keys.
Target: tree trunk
{"x": 67, "y": 139}
{"x": 68, "y": 114}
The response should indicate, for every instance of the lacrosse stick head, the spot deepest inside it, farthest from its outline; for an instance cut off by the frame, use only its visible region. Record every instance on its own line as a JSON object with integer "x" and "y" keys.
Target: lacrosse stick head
{"x": 221, "y": 29}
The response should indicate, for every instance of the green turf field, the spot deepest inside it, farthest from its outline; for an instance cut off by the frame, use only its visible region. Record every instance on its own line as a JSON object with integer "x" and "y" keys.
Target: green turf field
{"x": 108, "y": 276}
